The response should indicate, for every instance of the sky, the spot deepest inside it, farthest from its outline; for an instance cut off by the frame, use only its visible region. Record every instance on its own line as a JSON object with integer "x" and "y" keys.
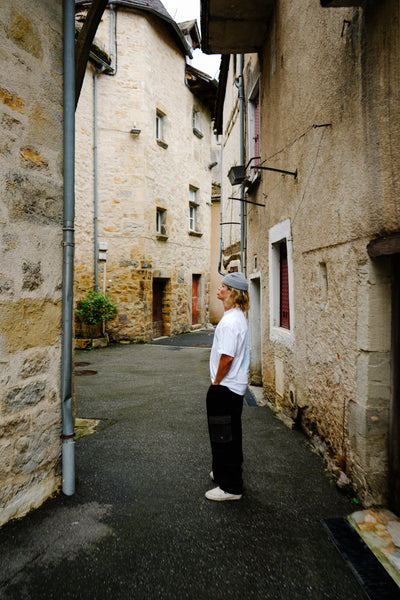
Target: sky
{"x": 184, "y": 10}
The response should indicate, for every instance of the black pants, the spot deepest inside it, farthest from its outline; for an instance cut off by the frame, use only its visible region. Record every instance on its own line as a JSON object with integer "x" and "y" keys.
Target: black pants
{"x": 224, "y": 413}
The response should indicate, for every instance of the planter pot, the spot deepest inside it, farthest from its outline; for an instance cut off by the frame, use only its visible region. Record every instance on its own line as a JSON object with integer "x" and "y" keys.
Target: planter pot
{"x": 84, "y": 331}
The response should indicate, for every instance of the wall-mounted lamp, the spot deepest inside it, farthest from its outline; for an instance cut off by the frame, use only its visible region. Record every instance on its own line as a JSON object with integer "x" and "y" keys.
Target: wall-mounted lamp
{"x": 237, "y": 174}
{"x": 135, "y": 131}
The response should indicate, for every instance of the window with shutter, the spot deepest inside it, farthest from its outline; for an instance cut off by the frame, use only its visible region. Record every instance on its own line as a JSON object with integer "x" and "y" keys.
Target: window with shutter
{"x": 284, "y": 287}
{"x": 254, "y": 129}
{"x": 257, "y": 148}
{"x": 280, "y": 256}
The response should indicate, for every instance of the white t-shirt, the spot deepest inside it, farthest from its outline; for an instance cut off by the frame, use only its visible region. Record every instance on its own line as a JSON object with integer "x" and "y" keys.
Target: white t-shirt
{"x": 232, "y": 338}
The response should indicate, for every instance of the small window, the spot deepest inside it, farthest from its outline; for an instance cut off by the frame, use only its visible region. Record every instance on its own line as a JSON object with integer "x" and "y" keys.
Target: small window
{"x": 192, "y": 217}
{"x": 160, "y": 129}
{"x": 193, "y": 211}
{"x": 281, "y": 295}
{"x": 196, "y": 122}
{"x": 161, "y": 223}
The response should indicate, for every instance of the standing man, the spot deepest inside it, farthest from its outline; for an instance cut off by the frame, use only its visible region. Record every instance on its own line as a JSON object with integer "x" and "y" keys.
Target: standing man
{"x": 229, "y": 366}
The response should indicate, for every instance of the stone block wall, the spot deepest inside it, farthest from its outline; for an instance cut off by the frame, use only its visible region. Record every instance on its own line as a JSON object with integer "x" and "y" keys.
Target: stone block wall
{"x": 138, "y": 175}
{"x": 31, "y": 212}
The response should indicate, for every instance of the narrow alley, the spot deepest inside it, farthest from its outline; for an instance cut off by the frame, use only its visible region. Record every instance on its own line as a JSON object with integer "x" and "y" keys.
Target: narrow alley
{"x": 139, "y": 525}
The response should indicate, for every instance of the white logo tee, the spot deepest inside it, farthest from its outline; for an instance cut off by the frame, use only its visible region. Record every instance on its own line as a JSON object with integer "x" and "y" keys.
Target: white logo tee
{"x": 232, "y": 338}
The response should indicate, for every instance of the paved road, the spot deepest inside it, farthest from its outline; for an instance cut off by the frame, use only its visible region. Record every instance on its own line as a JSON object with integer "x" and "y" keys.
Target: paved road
{"x": 139, "y": 526}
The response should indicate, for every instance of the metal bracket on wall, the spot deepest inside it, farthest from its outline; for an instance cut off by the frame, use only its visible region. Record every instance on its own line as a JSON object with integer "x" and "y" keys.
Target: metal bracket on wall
{"x": 276, "y": 170}
{"x": 247, "y": 201}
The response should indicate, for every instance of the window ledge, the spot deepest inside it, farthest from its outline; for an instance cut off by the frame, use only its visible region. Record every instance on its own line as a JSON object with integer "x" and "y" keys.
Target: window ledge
{"x": 195, "y": 233}
{"x": 162, "y": 143}
{"x": 161, "y": 236}
{"x": 197, "y": 132}
{"x": 282, "y": 335}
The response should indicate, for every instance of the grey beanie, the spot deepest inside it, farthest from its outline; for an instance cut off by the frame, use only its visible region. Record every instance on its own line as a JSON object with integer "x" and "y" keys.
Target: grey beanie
{"x": 236, "y": 280}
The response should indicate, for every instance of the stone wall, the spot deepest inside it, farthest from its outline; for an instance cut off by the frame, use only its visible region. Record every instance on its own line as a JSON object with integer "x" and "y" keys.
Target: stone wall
{"x": 31, "y": 209}
{"x": 329, "y": 109}
{"x": 138, "y": 174}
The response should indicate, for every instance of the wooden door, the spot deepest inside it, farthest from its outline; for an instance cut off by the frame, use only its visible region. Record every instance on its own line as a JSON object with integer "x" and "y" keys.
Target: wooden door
{"x": 394, "y": 441}
{"x": 158, "y": 291}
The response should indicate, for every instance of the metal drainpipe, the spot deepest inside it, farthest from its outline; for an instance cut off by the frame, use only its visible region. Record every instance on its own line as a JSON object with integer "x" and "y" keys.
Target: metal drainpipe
{"x": 220, "y": 144}
{"x": 113, "y": 71}
{"x": 242, "y": 162}
{"x": 95, "y": 183}
{"x": 68, "y": 444}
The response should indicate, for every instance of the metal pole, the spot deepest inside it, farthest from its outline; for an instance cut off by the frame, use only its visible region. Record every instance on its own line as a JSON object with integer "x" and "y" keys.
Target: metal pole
{"x": 68, "y": 445}
{"x": 95, "y": 183}
{"x": 242, "y": 161}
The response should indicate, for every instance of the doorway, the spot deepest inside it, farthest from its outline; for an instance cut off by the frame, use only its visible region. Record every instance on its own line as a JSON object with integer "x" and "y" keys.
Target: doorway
{"x": 255, "y": 332}
{"x": 394, "y": 436}
{"x": 195, "y": 298}
{"x": 159, "y": 290}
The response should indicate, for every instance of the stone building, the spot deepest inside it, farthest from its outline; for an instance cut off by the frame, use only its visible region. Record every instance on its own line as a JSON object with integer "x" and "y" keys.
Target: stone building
{"x": 31, "y": 235}
{"x": 144, "y": 172}
{"x": 319, "y": 151}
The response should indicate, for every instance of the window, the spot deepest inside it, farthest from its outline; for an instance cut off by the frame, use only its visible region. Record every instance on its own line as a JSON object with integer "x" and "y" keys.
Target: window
{"x": 254, "y": 128}
{"x": 161, "y": 223}
{"x": 193, "y": 211}
{"x": 192, "y": 217}
{"x": 160, "y": 129}
{"x": 281, "y": 283}
{"x": 284, "y": 313}
{"x": 196, "y": 122}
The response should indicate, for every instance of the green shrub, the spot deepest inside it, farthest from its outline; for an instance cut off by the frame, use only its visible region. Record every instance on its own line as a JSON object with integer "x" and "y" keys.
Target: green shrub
{"x": 95, "y": 308}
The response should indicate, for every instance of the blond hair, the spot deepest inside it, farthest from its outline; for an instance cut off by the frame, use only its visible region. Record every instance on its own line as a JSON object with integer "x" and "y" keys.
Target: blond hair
{"x": 239, "y": 299}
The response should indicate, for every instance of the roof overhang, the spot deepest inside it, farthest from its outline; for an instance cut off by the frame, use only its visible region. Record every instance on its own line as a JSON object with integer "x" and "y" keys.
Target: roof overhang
{"x": 202, "y": 85}
{"x": 234, "y": 26}
{"x": 341, "y": 3}
{"x": 155, "y": 8}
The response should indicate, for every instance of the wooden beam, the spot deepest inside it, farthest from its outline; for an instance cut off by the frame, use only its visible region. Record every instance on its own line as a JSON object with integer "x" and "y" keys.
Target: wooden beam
{"x": 341, "y": 3}
{"x": 384, "y": 246}
{"x": 84, "y": 42}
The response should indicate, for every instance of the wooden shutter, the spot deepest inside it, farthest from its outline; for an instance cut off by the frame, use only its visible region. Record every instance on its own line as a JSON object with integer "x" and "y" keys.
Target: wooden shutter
{"x": 257, "y": 148}
{"x": 284, "y": 288}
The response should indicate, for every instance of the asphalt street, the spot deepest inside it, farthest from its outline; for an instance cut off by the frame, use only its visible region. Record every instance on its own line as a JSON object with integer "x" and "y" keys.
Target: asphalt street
{"x": 139, "y": 526}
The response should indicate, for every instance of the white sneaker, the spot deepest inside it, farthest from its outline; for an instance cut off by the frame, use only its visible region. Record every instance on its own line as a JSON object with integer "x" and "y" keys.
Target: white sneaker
{"x": 219, "y": 495}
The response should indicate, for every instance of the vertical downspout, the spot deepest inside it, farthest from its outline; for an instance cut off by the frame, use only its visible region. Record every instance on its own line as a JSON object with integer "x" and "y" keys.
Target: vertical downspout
{"x": 242, "y": 162}
{"x": 68, "y": 444}
{"x": 95, "y": 183}
{"x": 220, "y": 144}
{"x": 112, "y": 71}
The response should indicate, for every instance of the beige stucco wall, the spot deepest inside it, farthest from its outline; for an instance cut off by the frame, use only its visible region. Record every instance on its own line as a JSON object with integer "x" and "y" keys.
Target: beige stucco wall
{"x": 137, "y": 175}
{"x": 331, "y": 373}
{"x": 231, "y": 157}
{"x": 31, "y": 155}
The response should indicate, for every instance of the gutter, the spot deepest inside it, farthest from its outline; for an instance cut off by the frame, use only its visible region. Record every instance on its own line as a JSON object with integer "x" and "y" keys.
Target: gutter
{"x": 139, "y": 6}
{"x": 68, "y": 444}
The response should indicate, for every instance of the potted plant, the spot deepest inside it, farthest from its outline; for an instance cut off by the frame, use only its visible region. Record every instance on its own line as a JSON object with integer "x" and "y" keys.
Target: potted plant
{"x": 92, "y": 311}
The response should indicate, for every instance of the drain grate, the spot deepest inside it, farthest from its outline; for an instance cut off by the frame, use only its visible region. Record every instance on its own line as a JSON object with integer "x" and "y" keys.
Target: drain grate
{"x": 84, "y": 372}
{"x": 373, "y": 577}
